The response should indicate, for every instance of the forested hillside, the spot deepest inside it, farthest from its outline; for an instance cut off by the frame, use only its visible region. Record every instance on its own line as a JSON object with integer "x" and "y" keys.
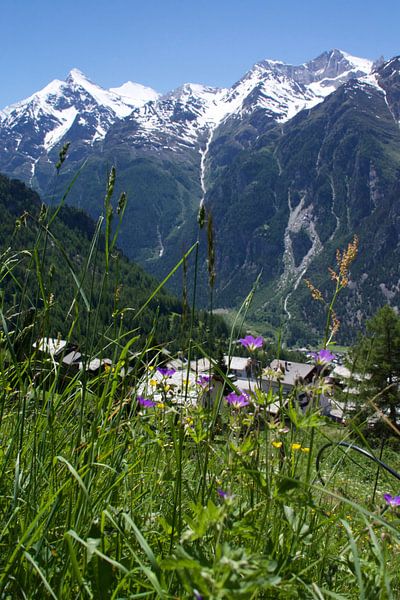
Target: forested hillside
{"x": 54, "y": 269}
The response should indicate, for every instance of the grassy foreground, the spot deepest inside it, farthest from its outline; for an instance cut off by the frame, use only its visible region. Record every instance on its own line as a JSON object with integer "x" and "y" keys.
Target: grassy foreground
{"x": 103, "y": 497}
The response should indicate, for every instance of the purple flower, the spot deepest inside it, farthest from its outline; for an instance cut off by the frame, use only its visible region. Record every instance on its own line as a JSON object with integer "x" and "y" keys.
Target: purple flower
{"x": 252, "y": 343}
{"x": 203, "y": 381}
{"x": 392, "y": 500}
{"x": 145, "y": 402}
{"x": 165, "y": 372}
{"x": 197, "y": 595}
{"x": 237, "y": 400}
{"x": 322, "y": 357}
{"x": 225, "y": 495}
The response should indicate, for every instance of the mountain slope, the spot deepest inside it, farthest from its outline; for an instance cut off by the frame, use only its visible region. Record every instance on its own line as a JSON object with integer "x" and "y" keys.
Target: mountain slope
{"x": 43, "y": 295}
{"x": 291, "y": 160}
{"x": 302, "y": 191}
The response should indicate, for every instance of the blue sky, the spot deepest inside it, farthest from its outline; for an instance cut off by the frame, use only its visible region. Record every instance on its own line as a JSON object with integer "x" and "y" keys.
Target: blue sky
{"x": 164, "y": 43}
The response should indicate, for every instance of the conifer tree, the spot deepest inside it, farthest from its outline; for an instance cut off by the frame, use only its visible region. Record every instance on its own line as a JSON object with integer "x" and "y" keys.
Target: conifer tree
{"x": 376, "y": 360}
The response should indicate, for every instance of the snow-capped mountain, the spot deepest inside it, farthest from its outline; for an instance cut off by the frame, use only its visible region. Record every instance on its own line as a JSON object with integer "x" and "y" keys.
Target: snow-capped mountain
{"x": 176, "y": 120}
{"x": 75, "y": 109}
{"x": 186, "y": 116}
{"x": 284, "y": 90}
{"x": 79, "y": 110}
{"x": 186, "y": 121}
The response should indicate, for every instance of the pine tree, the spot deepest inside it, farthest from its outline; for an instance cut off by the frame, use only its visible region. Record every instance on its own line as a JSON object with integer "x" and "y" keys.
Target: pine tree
{"x": 376, "y": 360}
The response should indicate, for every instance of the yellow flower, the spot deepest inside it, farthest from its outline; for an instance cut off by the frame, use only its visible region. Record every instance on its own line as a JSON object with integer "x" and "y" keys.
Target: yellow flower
{"x": 153, "y": 382}
{"x": 161, "y": 405}
{"x": 305, "y": 450}
{"x": 296, "y": 446}
{"x": 277, "y": 444}
{"x": 151, "y": 368}
{"x": 167, "y": 388}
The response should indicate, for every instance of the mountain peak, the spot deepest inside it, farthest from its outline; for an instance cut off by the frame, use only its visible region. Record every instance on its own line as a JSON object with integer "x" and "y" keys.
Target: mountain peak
{"x": 334, "y": 63}
{"x": 196, "y": 95}
{"x": 77, "y": 76}
{"x": 135, "y": 94}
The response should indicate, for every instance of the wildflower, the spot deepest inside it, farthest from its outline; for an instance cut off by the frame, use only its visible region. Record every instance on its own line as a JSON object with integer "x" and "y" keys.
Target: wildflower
{"x": 151, "y": 368}
{"x": 344, "y": 260}
{"x": 275, "y": 374}
{"x": 315, "y": 292}
{"x": 225, "y": 495}
{"x": 335, "y": 323}
{"x": 160, "y": 405}
{"x": 322, "y": 357}
{"x": 237, "y": 400}
{"x": 145, "y": 402}
{"x": 165, "y": 372}
{"x": 203, "y": 381}
{"x": 284, "y": 430}
{"x": 197, "y": 595}
{"x": 305, "y": 449}
{"x": 277, "y": 444}
{"x": 392, "y": 500}
{"x": 188, "y": 422}
{"x": 153, "y": 382}
{"x": 296, "y": 446}
{"x": 252, "y": 343}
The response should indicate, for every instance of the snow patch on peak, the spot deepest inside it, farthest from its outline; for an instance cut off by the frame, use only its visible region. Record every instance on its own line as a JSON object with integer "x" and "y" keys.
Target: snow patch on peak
{"x": 372, "y": 80}
{"x": 135, "y": 94}
{"x": 77, "y": 76}
{"x": 66, "y": 118}
{"x": 271, "y": 61}
{"x": 190, "y": 91}
{"x": 103, "y": 97}
{"x": 362, "y": 64}
{"x": 38, "y": 101}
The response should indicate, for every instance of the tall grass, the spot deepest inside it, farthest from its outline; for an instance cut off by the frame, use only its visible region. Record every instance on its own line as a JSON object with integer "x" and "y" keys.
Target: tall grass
{"x": 102, "y": 497}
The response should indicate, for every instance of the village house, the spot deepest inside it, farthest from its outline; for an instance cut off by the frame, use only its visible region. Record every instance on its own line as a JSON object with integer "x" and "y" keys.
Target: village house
{"x": 285, "y": 375}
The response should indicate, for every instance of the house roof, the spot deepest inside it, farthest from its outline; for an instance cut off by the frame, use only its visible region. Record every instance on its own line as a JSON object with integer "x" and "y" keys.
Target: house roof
{"x": 176, "y": 363}
{"x": 246, "y": 385}
{"x": 72, "y": 358}
{"x": 236, "y": 363}
{"x": 201, "y": 365}
{"x": 341, "y": 371}
{"x": 96, "y": 363}
{"x": 292, "y": 371}
{"x": 51, "y": 346}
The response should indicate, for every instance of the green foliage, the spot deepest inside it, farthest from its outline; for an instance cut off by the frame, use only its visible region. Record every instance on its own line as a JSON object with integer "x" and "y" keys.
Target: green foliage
{"x": 375, "y": 360}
